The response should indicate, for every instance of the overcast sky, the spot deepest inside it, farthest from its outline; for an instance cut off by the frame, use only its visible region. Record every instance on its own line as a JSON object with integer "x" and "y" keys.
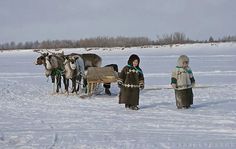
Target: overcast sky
{"x": 30, "y": 20}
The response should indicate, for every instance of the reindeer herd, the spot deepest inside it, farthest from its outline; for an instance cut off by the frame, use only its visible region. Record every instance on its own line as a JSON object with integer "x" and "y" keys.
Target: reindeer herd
{"x": 67, "y": 67}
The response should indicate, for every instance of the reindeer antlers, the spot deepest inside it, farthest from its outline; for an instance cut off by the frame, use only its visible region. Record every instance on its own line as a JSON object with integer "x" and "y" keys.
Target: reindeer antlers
{"x": 38, "y": 51}
{"x": 41, "y": 51}
{"x": 62, "y": 52}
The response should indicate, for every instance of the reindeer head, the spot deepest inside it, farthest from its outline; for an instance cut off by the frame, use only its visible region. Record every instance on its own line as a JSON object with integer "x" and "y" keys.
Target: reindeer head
{"x": 41, "y": 59}
{"x": 44, "y": 60}
{"x": 70, "y": 65}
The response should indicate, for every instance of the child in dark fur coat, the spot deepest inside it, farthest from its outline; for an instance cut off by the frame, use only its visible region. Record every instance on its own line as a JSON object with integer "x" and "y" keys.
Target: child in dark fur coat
{"x": 131, "y": 80}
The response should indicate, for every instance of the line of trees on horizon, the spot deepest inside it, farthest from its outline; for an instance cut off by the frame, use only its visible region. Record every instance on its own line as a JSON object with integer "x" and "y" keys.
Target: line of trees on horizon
{"x": 166, "y": 39}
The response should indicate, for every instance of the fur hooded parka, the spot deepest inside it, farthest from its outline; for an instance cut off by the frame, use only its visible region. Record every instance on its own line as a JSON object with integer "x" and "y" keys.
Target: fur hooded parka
{"x": 132, "y": 78}
{"x": 184, "y": 80}
{"x": 182, "y": 77}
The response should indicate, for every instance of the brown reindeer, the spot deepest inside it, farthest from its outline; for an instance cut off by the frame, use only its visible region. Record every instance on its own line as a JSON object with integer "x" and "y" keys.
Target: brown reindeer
{"x": 76, "y": 66}
{"x": 54, "y": 67}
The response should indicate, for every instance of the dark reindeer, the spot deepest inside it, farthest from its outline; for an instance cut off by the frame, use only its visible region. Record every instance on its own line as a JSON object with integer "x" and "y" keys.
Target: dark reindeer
{"x": 76, "y": 66}
{"x": 54, "y": 67}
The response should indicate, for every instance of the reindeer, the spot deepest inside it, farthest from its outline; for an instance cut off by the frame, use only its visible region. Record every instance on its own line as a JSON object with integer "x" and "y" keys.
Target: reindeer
{"x": 76, "y": 66}
{"x": 54, "y": 67}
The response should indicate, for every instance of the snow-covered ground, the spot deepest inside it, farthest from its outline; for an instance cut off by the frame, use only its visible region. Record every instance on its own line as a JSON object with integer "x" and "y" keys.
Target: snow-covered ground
{"x": 30, "y": 117}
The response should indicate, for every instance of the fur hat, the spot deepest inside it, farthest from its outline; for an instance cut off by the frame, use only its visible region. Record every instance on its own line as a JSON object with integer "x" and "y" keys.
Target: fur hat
{"x": 182, "y": 59}
{"x": 132, "y": 58}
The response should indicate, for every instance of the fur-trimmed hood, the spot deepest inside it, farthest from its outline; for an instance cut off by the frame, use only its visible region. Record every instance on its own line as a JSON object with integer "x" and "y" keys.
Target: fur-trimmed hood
{"x": 181, "y": 60}
{"x": 132, "y": 58}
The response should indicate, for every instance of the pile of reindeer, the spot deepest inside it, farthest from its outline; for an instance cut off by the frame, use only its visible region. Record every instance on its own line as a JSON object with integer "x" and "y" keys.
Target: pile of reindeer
{"x": 68, "y": 67}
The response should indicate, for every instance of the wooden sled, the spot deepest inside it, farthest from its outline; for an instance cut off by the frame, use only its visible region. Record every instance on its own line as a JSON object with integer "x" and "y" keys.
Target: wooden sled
{"x": 96, "y": 75}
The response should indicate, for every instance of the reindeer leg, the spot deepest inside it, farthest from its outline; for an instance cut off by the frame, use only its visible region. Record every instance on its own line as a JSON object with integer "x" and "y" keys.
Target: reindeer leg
{"x": 73, "y": 85}
{"x": 67, "y": 82}
{"x": 85, "y": 85}
{"x": 79, "y": 83}
{"x": 59, "y": 83}
{"x": 57, "y": 87}
{"x": 78, "y": 87}
{"x": 53, "y": 84}
{"x": 53, "y": 88}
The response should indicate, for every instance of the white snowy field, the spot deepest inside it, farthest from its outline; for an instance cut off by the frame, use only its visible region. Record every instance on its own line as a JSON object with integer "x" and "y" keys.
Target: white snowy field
{"x": 30, "y": 117}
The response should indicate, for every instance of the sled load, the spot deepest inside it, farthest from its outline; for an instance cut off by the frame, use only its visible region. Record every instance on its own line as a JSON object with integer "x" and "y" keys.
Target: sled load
{"x": 96, "y": 75}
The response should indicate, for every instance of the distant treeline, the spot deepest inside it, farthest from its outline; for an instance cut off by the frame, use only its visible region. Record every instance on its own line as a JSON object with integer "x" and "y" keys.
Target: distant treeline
{"x": 166, "y": 39}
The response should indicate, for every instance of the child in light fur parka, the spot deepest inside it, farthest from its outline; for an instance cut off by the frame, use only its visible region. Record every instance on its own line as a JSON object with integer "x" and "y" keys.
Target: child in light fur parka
{"x": 182, "y": 80}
